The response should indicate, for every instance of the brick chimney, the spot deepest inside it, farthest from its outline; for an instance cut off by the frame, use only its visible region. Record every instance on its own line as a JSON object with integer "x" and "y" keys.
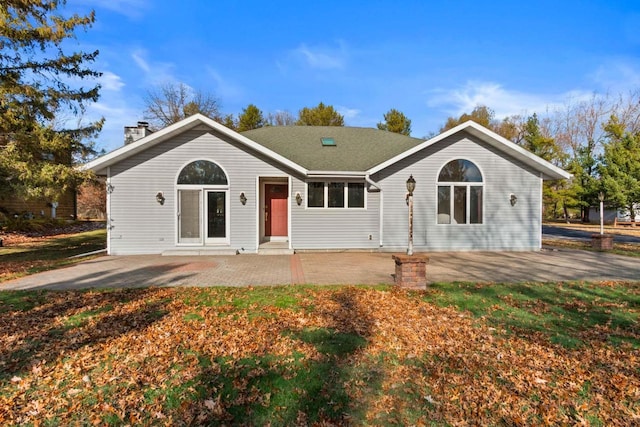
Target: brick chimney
{"x": 134, "y": 133}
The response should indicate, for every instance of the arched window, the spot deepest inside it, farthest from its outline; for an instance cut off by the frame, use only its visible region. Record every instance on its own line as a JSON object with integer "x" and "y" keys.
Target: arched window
{"x": 203, "y": 204}
{"x": 202, "y": 172}
{"x": 460, "y": 189}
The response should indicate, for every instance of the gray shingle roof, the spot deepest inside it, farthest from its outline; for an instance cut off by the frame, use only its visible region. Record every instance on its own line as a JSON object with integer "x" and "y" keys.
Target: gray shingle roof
{"x": 356, "y": 149}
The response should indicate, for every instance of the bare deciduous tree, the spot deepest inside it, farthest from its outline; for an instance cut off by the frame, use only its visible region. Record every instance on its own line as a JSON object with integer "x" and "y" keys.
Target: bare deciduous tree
{"x": 281, "y": 118}
{"x": 171, "y": 103}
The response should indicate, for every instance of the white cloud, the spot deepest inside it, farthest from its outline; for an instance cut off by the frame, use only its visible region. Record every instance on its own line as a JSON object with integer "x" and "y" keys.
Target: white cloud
{"x": 504, "y": 102}
{"x": 155, "y": 73}
{"x": 322, "y": 57}
{"x": 111, "y": 81}
{"x": 617, "y": 76}
{"x": 348, "y": 113}
{"x": 137, "y": 57}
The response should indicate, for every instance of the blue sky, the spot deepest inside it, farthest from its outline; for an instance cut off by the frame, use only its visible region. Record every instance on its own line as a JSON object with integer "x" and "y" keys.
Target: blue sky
{"x": 429, "y": 59}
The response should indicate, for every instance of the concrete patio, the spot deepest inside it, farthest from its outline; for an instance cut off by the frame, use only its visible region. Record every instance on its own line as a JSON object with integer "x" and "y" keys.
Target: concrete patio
{"x": 329, "y": 269}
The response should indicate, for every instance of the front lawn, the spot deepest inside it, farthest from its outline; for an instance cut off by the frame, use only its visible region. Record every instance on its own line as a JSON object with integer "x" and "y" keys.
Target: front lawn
{"x": 23, "y": 256}
{"x": 563, "y": 353}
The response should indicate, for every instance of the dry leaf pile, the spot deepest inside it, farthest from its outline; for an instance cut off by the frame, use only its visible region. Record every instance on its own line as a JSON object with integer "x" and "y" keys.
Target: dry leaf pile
{"x": 196, "y": 356}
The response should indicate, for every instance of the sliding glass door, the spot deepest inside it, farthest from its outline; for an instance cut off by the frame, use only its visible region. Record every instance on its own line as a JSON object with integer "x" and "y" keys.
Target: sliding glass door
{"x": 216, "y": 213}
{"x": 202, "y": 213}
{"x": 189, "y": 210}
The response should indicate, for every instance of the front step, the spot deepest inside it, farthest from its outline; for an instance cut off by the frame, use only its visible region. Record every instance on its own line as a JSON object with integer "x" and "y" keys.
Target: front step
{"x": 274, "y": 248}
{"x": 275, "y": 251}
{"x": 199, "y": 252}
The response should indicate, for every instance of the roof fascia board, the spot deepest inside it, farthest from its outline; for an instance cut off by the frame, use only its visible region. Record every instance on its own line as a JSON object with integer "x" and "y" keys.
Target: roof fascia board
{"x": 553, "y": 171}
{"x": 186, "y": 124}
{"x": 135, "y": 147}
{"x": 490, "y": 137}
{"x": 335, "y": 174}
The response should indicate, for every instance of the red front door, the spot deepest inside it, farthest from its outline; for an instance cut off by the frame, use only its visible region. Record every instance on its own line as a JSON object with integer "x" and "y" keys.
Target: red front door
{"x": 275, "y": 212}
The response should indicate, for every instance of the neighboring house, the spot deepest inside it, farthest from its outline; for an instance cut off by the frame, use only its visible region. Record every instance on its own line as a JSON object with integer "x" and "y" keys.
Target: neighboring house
{"x": 65, "y": 208}
{"x": 625, "y": 215}
{"x": 197, "y": 187}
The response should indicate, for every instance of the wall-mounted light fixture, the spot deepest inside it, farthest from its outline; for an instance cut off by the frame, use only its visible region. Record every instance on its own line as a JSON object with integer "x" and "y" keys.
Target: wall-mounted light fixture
{"x": 160, "y": 197}
{"x": 298, "y": 198}
{"x": 513, "y": 199}
{"x": 243, "y": 198}
{"x": 109, "y": 188}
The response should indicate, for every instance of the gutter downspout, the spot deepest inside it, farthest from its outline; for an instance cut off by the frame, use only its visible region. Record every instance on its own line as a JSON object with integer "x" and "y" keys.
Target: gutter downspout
{"x": 108, "y": 222}
{"x": 375, "y": 185}
{"x": 541, "y": 209}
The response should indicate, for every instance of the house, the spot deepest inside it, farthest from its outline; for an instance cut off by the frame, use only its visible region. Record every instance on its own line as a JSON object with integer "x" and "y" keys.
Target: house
{"x": 197, "y": 187}
{"x": 64, "y": 208}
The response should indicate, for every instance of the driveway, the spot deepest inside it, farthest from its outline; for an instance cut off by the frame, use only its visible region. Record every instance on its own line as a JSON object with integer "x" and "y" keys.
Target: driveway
{"x": 572, "y": 233}
{"x": 329, "y": 269}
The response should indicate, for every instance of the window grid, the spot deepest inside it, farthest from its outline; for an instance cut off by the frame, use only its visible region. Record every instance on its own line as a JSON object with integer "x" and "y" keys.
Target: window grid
{"x": 460, "y": 194}
{"x": 352, "y": 195}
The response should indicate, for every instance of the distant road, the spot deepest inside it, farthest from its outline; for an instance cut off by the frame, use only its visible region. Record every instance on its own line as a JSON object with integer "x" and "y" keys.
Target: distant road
{"x": 571, "y": 233}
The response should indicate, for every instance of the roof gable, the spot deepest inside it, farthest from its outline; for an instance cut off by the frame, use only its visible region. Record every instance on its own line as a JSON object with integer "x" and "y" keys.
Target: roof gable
{"x": 502, "y": 144}
{"x": 126, "y": 151}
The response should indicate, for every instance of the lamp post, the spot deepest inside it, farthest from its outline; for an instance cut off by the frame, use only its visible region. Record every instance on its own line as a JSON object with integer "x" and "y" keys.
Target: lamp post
{"x": 601, "y": 198}
{"x": 411, "y": 185}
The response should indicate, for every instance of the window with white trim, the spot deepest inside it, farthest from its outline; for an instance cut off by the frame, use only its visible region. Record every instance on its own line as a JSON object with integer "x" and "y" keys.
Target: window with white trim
{"x": 203, "y": 204}
{"x": 335, "y": 195}
{"x": 460, "y": 193}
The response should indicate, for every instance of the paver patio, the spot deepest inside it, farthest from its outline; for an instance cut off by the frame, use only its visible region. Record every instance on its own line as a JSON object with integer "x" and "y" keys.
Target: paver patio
{"x": 328, "y": 269}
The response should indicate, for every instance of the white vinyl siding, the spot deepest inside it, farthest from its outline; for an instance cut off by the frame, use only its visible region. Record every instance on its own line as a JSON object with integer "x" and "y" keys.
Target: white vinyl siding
{"x": 504, "y": 227}
{"x": 333, "y": 228}
{"x": 143, "y": 226}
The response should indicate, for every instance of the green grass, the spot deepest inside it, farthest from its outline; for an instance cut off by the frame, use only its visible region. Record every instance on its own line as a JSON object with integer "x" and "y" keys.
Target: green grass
{"x": 79, "y": 319}
{"x": 29, "y": 258}
{"x": 21, "y": 300}
{"x": 260, "y": 298}
{"x": 183, "y": 352}
{"x": 564, "y": 312}
{"x": 277, "y": 296}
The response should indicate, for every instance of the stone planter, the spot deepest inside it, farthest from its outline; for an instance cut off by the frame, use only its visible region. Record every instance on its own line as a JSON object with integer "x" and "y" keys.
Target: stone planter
{"x": 411, "y": 271}
{"x": 602, "y": 242}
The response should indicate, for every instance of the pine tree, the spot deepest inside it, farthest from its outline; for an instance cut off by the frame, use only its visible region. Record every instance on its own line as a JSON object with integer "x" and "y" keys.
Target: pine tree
{"x": 250, "y": 118}
{"x": 619, "y": 167}
{"x": 38, "y": 86}
{"x": 322, "y": 115}
{"x": 395, "y": 121}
